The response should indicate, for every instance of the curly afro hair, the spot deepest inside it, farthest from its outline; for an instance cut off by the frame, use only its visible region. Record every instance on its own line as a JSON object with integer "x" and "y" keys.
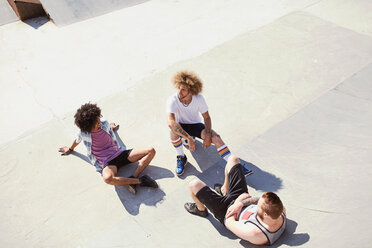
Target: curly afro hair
{"x": 190, "y": 80}
{"x": 86, "y": 117}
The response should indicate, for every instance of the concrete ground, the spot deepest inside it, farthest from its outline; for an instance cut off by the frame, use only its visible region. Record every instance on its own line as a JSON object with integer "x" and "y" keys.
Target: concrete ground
{"x": 288, "y": 84}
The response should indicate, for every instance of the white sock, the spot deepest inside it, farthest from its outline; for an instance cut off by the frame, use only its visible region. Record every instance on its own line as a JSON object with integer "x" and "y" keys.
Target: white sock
{"x": 224, "y": 152}
{"x": 178, "y": 145}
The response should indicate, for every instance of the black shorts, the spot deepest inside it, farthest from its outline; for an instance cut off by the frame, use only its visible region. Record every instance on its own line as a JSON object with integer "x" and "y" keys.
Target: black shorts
{"x": 218, "y": 204}
{"x": 193, "y": 129}
{"x": 121, "y": 160}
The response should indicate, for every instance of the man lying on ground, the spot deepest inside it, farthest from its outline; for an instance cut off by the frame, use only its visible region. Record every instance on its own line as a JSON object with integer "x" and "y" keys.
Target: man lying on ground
{"x": 257, "y": 220}
{"x": 104, "y": 151}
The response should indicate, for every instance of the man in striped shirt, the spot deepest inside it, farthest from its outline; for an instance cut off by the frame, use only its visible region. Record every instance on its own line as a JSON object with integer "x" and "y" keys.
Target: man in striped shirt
{"x": 105, "y": 153}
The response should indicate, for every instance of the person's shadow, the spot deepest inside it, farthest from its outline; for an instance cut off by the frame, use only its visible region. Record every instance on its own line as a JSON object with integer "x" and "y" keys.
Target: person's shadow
{"x": 212, "y": 166}
{"x": 206, "y": 158}
{"x": 215, "y": 174}
{"x": 260, "y": 179}
{"x": 144, "y": 195}
{"x": 289, "y": 237}
{"x": 147, "y": 196}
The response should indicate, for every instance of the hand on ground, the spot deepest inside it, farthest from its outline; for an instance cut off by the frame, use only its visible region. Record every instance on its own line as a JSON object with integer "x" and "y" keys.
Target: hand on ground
{"x": 64, "y": 150}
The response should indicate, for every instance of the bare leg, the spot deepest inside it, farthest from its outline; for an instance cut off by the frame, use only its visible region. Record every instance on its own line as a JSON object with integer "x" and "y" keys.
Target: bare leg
{"x": 109, "y": 176}
{"x": 233, "y": 160}
{"x": 194, "y": 187}
{"x": 173, "y": 136}
{"x": 143, "y": 156}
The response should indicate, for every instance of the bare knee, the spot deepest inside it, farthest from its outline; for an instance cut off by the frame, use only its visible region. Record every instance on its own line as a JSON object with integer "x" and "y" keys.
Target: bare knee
{"x": 152, "y": 151}
{"x": 216, "y": 140}
{"x": 233, "y": 160}
{"x": 107, "y": 178}
{"x": 196, "y": 185}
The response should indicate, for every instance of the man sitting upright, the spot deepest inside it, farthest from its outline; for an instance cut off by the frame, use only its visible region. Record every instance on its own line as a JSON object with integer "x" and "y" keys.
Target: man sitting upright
{"x": 185, "y": 110}
{"x": 104, "y": 151}
{"x": 257, "y": 220}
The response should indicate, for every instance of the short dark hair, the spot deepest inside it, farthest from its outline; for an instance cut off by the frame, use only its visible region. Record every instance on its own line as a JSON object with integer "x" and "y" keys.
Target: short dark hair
{"x": 272, "y": 205}
{"x": 86, "y": 117}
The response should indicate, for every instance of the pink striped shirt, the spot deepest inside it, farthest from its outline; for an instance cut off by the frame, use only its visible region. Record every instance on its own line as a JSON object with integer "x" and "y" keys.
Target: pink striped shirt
{"x": 103, "y": 147}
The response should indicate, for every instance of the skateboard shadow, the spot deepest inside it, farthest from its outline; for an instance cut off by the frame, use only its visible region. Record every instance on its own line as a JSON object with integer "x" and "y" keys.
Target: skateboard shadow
{"x": 289, "y": 237}
{"x": 144, "y": 195}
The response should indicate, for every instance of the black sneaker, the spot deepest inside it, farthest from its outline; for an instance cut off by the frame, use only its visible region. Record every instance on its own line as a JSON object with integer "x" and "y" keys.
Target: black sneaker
{"x": 193, "y": 209}
{"x": 181, "y": 162}
{"x": 217, "y": 187}
{"x": 147, "y": 181}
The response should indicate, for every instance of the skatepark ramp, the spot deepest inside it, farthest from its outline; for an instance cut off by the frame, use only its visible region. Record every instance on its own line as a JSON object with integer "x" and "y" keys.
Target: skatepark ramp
{"x": 61, "y": 12}
{"x": 7, "y": 15}
{"x": 64, "y": 12}
{"x": 27, "y": 9}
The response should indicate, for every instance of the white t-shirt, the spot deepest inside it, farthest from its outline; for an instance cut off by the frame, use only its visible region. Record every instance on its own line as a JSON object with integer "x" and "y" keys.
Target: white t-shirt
{"x": 187, "y": 114}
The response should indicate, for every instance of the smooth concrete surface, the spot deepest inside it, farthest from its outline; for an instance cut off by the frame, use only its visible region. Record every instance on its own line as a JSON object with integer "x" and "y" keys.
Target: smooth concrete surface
{"x": 288, "y": 90}
{"x": 64, "y": 12}
{"x": 7, "y": 14}
{"x": 323, "y": 156}
{"x": 115, "y": 50}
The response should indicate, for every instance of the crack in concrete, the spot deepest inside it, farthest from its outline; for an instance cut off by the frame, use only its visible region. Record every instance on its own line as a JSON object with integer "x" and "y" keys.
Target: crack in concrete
{"x": 37, "y": 101}
{"x": 321, "y": 211}
{"x": 338, "y": 90}
{"x": 312, "y": 4}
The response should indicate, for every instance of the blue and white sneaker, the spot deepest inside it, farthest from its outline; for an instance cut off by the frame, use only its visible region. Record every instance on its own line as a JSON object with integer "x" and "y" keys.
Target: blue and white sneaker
{"x": 246, "y": 171}
{"x": 181, "y": 163}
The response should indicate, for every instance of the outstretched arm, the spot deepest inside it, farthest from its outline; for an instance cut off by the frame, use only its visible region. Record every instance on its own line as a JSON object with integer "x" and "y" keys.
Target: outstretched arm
{"x": 67, "y": 150}
{"x": 177, "y": 129}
